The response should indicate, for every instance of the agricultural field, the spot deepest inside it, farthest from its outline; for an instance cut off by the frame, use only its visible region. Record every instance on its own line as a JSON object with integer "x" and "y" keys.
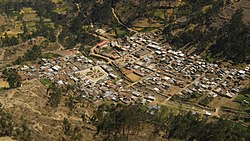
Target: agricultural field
{"x": 244, "y": 100}
{"x": 120, "y": 31}
{"x": 159, "y": 14}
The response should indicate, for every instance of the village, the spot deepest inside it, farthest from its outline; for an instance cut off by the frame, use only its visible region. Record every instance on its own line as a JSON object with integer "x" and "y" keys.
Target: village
{"x": 139, "y": 69}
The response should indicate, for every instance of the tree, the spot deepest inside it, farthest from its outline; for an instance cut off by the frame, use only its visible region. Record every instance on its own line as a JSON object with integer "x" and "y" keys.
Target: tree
{"x": 24, "y": 132}
{"x": 30, "y": 55}
{"x": 71, "y": 133}
{"x": 11, "y": 75}
{"x": 70, "y": 102}
{"x": 6, "y": 123}
{"x": 234, "y": 41}
{"x": 118, "y": 121}
{"x": 55, "y": 95}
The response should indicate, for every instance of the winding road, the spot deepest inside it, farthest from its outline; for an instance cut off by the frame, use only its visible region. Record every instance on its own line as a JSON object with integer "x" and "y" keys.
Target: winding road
{"x": 120, "y": 22}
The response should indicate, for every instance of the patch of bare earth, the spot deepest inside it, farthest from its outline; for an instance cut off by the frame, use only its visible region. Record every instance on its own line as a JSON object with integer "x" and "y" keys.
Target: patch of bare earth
{"x": 6, "y": 139}
{"x": 29, "y": 102}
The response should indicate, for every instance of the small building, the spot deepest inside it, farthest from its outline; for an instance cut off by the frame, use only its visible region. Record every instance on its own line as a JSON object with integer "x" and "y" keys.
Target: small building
{"x": 112, "y": 75}
{"x": 103, "y": 43}
{"x": 56, "y": 68}
{"x": 135, "y": 93}
{"x": 150, "y": 97}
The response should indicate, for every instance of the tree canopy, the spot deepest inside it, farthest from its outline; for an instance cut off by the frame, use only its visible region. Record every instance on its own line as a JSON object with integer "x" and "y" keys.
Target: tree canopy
{"x": 119, "y": 121}
{"x": 11, "y": 75}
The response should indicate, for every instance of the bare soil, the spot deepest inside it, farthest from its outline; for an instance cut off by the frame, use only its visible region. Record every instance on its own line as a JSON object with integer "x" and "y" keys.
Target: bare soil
{"x": 30, "y": 102}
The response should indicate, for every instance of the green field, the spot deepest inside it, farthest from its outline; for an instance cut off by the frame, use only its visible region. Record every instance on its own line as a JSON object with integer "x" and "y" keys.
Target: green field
{"x": 120, "y": 31}
{"x": 159, "y": 14}
{"x": 244, "y": 99}
{"x": 45, "y": 81}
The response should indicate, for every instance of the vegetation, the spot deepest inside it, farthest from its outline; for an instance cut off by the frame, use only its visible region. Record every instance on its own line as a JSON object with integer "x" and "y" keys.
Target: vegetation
{"x": 6, "y": 123}
{"x": 8, "y": 41}
{"x": 71, "y": 133}
{"x": 187, "y": 97}
{"x": 8, "y": 127}
{"x": 70, "y": 102}
{"x": 50, "y": 55}
{"x": 120, "y": 31}
{"x": 244, "y": 99}
{"x": 31, "y": 55}
{"x": 113, "y": 121}
{"x": 229, "y": 42}
{"x": 46, "y": 82}
{"x": 69, "y": 23}
{"x": 11, "y": 75}
{"x": 158, "y": 14}
{"x": 55, "y": 95}
{"x": 24, "y": 132}
{"x": 233, "y": 42}
{"x": 116, "y": 122}
{"x": 206, "y": 100}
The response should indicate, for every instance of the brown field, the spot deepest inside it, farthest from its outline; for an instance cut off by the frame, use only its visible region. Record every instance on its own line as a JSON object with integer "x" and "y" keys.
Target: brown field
{"x": 223, "y": 102}
{"x": 133, "y": 77}
{"x": 172, "y": 90}
{"x": 2, "y": 20}
{"x": 147, "y": 23}
{"x": 4, "y": 84}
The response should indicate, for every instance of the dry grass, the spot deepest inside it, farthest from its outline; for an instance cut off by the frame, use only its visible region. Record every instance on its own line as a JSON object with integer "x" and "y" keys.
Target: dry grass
{"x": 30, "y": 102}
{"x": 172, "y": 90}
{"x": 6, "y": 139}
{"x": 2, "y": 20}
{"x": 56, "y": 1}
{"x": 4, "y": 84}
{"x": 146, "y": 22}
{"x": 133, "y": 77}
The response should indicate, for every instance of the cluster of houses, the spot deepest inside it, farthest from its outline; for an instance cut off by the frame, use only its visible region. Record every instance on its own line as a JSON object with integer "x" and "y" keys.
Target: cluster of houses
{"x": 156, "y": 68}
{"x": 142, "y": 69}
{"x": 93, "y": 79}
{"x": 61, "y": 70}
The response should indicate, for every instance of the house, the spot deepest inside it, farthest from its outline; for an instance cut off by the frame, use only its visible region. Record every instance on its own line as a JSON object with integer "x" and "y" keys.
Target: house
{"x": 154, "y": 46}
{"x": 141, "y": 52}
{"x": 208, "y": 113}
{"x": 24, "y": 68}
{"x": 230, "y": 95}
{"x": 103, "y": 43}
{"x": 150, "y": 97}
{"x": 241, "y": 72}
{"x": 135, "y": 93}
{"x": 100, "y": 31}
{"x": 158, "y": 52}
{"x": 56, "y": 68}
{"x": 157, "y": 90}
{"x": 112, "y": 75}
{"x": 60, "y": 82}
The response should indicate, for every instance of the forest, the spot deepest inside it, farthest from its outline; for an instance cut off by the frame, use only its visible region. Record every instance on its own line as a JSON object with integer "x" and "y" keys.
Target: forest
{"x": 116, "y": 122}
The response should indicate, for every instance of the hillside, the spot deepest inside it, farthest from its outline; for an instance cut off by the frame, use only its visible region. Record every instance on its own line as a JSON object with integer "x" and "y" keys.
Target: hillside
{"x": 124, "y": 70}
{"x": 28, "y": 105}
{"x": 221, "y": 33}
{"x": 183, "y": 22}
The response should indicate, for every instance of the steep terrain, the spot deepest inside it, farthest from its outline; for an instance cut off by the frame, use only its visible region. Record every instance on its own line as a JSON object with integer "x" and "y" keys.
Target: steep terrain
{"x": 29, "y": 103}
{"x": 218, "y": 30}
{"x": 219, "y": 33}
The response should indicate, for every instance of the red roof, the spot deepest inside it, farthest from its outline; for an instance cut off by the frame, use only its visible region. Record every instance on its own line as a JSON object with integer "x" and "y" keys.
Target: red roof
{"x": 102, "y": 43}
{"x": 69, "y": 53}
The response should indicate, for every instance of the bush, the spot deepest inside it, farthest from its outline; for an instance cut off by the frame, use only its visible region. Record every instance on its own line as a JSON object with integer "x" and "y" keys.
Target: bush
{"x": 11, "y": 75}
